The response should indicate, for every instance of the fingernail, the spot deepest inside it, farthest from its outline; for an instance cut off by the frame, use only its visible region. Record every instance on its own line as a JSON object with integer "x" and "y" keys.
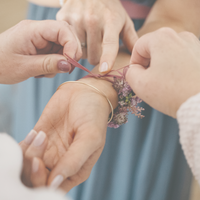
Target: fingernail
{"x": 30, "y": 136}
{"x": 39, "y": 139}
{"x": 56, "y": 181}
{"x": 35, "y": 165}
{"x": 64, "y": 66}
{"x": 104, "y": 67}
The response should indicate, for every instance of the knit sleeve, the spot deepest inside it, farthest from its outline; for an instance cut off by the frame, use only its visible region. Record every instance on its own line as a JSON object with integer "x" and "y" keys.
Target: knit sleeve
{"x": 188, "y": 117}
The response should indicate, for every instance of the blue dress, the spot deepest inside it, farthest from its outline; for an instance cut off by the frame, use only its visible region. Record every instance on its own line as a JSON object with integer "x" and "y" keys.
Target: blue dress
{"x": 142, "y": 160}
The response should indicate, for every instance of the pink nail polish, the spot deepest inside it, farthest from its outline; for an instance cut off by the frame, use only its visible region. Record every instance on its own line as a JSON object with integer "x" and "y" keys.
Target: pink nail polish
{"x": 64, "y": 66}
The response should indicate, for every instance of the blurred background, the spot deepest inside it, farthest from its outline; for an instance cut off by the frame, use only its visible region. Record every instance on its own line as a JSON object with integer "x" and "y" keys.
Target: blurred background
{"x": 11, "y": 12}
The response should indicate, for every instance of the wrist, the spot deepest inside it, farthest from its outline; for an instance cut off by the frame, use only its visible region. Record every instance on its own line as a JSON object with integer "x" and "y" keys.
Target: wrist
{"x": 104, "y": 86}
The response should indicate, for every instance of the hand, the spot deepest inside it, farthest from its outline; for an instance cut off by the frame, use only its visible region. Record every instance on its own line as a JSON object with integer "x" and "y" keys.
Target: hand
{"x": 99, "y": 24}
{"x": 34, "y": 173}
{"x": 75, "y": 121}
{"x": 165, "y": 69}
{"x": 34, "y": 48}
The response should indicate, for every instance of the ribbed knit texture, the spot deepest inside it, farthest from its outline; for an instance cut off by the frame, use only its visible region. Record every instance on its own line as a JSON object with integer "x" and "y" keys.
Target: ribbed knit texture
{"x": 188, "y": 117}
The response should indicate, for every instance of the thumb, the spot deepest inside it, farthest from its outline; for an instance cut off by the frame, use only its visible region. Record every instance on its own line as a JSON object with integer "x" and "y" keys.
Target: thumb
{"x": 135, "y": 76}
{"x": 47, "y": 64}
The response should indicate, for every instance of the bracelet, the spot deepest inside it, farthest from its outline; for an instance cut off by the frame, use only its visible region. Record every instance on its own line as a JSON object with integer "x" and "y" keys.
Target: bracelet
{"x": 100, "y": 92}
{"x": 127, "y": 100}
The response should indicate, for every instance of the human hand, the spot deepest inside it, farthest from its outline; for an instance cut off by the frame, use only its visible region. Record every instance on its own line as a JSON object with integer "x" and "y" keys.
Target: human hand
{"x": 34, "y": 173}
{"x": 34, "y": 48}
{"x": 99, "y": 24}
{"x": 10, "y": 170}
{"x": 165, "y": 69}
{"x": 75, "y": 121}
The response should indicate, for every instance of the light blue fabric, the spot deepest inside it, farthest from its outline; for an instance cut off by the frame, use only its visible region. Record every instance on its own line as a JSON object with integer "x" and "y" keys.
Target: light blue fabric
{"x": 6, "y": 108}
{"x": 142, "y": 160}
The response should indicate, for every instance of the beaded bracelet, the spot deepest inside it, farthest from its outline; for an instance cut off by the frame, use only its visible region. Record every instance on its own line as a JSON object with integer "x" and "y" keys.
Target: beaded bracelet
{"x": 128, "y": 101}
{"x": 100, "y": 92}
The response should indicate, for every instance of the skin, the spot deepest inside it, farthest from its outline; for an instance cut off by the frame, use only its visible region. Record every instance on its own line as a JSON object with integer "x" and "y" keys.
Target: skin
{"x": 175, "y": 14}
{"x": 25, "y": 52}
{"x": 173, "y": 71}
{"x": 34, "y": 48}
{"x": 76, "y": 136}
{"x": 99, "y": 24}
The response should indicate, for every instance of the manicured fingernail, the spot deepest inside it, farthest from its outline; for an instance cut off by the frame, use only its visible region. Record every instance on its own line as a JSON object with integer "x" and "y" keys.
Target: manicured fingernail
{"x": 35, "y": 165}
{"x": 39, "y": 139}
{"x": 104, "y": 67}
{"x": 30, "y": 136}
{"x": 64, "y": 66}
{"x": 56, "y": 181}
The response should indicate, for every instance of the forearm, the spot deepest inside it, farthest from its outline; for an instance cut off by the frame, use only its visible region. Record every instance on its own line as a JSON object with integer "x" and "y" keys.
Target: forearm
{"x": 179, "y": 15}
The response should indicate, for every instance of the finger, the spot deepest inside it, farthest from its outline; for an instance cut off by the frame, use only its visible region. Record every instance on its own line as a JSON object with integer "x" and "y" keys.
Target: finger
{"x": 129, "y": 35}
{"x": 27, "y": 141}
{"x": 79, "y": 52}
{"x": 83, "y": 174}
{"x": 141, "y": 53}
{"x": 82, "y": 37}
{"x": 46, "y": 65}
{"x": 79, "y": 151}
{"x": 110, "y": 47}
{"x": 135, "y": 76}
{"x": 94, "y": 40}
{"x": 79, "y": 49}
{"x": 50, "y": 76}
{"x": 59, "y": 34}
{"x": 39, "y": 174}
{"x": 37, "y": 147}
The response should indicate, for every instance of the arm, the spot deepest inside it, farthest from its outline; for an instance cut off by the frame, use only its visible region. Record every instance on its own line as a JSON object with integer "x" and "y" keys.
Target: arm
{"x": 34, "y": 48}
{"x": 165, "y": 73}
{"x": 176, "y": 14}
{"x": 75, "y": 121}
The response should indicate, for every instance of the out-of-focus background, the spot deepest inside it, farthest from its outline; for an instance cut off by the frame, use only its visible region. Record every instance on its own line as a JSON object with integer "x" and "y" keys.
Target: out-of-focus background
{"x": 11, "y": 12}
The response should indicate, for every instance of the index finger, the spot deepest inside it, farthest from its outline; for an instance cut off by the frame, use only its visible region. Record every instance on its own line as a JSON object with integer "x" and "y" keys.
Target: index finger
{"x": 58, "y": 32}
{"x": 110, "y": 47}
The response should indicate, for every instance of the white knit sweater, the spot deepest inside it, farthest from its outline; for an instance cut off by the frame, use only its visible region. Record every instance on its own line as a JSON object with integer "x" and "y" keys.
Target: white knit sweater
{"x": 188, "y": 117}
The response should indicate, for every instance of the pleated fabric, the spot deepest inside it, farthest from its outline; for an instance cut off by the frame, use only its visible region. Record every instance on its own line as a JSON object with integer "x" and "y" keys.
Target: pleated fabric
{"x": 142, "y": 160}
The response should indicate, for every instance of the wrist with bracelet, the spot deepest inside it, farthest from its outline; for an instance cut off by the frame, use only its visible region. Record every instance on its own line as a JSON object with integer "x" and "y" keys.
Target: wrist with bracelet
{"x": 127, "y": 100}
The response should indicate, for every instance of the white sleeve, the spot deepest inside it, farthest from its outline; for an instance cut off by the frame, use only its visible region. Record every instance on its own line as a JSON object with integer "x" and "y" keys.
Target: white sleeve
{"x": 188, "y": 117}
